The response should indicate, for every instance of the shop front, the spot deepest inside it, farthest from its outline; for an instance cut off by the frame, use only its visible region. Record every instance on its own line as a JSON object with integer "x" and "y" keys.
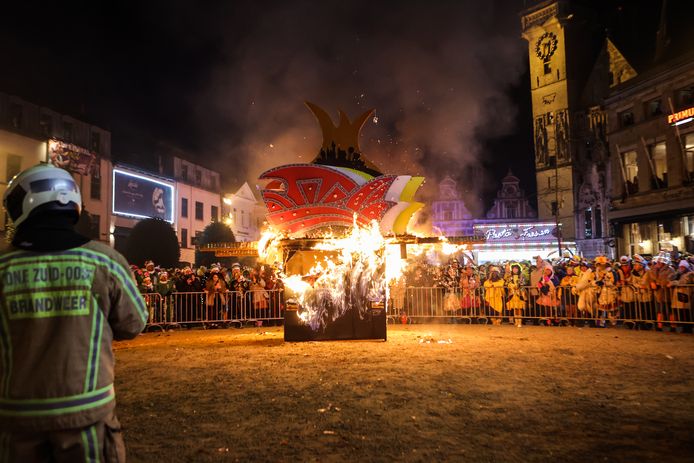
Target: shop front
{"x": 648, "y": 234}
{"x": 519, "y": 242}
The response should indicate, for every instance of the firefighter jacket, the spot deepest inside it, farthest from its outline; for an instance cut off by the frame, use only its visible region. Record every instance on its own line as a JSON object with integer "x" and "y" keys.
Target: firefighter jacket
{"x": 59, "y": 313}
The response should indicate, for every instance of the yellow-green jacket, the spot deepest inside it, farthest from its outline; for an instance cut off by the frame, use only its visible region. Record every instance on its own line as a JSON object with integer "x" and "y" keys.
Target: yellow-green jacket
{"x": 59, "y": 313}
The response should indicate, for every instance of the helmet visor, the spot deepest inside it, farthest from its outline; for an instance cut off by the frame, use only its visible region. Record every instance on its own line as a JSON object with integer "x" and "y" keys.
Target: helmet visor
{"x": 52, "y": 184}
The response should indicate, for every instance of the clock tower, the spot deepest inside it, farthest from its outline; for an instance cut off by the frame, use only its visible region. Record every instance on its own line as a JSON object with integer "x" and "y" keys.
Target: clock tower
{"x": 564, "y": 42}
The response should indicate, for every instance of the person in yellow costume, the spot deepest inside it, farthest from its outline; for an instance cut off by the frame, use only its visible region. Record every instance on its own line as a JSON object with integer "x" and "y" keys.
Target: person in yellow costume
{"x": 516, "y": 297}
{"x": 494, "y": 294}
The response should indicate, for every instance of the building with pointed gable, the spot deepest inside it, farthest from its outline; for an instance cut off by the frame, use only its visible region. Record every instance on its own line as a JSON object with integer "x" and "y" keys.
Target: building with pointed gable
{"x": 450, "y": 215}
{"x": 243, "y": 213}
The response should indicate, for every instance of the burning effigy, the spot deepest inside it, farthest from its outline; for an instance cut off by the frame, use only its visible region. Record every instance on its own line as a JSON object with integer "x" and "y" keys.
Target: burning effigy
{"x": 330, "y": 221}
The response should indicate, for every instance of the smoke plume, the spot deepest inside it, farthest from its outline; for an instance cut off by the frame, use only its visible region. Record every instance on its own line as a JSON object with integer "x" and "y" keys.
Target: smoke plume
{"x": 436, "y": 73}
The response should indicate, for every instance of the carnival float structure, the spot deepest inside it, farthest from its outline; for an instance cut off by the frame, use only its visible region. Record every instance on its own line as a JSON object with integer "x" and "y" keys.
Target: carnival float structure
{"x": 338, "y": 229}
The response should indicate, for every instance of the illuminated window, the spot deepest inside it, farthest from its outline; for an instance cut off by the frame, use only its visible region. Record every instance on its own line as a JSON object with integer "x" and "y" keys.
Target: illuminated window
{"x": 659, "y": 164}
{"x": 588, "y": 220}
{"x": 631, "y": 171}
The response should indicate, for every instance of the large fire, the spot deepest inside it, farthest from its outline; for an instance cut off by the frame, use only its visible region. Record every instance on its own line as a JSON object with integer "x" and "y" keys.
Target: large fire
{"x": 350, "y": 270}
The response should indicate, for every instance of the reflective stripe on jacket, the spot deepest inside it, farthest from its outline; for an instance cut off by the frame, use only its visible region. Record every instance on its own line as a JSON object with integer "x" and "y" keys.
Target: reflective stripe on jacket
{"x": 59, "y": 313}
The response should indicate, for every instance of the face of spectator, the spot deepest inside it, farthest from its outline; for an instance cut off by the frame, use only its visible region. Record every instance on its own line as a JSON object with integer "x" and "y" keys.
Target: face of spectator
{"x": 569, "y": 270}
{"x": 215, "y": 277}
{"x": 547, "y": 272}
{"x": 515, "y": 270}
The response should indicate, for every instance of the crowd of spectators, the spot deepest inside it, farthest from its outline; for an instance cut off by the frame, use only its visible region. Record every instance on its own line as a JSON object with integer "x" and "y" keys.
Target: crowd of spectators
{"x": 572, "y": 290}
{"x": 633, "y": 289}
{"x": 225, "y": 293}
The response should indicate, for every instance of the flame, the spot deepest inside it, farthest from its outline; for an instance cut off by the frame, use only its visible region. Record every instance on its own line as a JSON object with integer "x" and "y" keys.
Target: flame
{"x": 353, "y": 271}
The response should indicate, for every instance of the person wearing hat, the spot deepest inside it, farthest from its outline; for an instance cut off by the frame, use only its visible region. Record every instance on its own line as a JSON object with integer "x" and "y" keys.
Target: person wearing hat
{"x": 57, "y": 399}
{"x": 587, "y": 291}
{"x": 535, "y": 277}
{"x": 494, "y": 294}
{"x": 606, "y": 281}
{"x": 547, "y": 301}
{"x": 626, "y": 290}
{"x": 657, "y": 278}
{"x": 164, "y": 287}
{"x": 682, "y": 285}
{"x": 469, "y": 290}
{"x": 451, "y": 298}
{"x": 568, "y": 300}
{"x": 515, "y": 298}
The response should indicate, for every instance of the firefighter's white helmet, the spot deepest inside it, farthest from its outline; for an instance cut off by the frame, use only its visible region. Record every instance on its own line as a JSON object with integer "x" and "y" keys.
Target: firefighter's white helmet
{"x": 39, "y": 185}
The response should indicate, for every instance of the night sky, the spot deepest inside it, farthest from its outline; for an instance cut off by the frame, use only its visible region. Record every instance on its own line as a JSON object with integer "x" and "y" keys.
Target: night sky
{"x": 226, "y": 81}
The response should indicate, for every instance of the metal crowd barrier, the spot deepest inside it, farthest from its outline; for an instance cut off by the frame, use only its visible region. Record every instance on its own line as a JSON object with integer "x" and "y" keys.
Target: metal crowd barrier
{"x": 663, "y": 308}
{"x": 216, "y": 309}
{"x": 669, "y": 307}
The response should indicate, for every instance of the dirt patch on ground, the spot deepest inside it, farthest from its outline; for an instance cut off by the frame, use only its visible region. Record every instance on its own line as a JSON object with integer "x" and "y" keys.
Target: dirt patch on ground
{"x": 430, "y": 393}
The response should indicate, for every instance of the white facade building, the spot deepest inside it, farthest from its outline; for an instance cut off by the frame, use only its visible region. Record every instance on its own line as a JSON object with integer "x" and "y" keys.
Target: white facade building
{"x": 244, "y": 214}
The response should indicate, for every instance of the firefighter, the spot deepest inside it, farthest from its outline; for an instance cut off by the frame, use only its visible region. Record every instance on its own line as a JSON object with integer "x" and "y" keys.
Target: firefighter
{"x": 63, "y": 299}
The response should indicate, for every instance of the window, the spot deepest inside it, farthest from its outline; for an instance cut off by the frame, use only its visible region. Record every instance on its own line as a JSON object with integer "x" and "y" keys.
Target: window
{"x": 95, "y": 142}
{"x": 658, "y": 164}
{"x": 631, "y": 171}
{"x": 554, "y": 206}
{"x": 67, "y": 131}
{"x": 654, "y": 108}
{"x": 95, "y": 185}
{"x": 547, "y": 68}
{"x": 184, "y": 208}
{"x": 94, "y": 226}
{"x": 198, "y": 210}
{"x": 16, "y": 115}
{"x": 184, "y": 172}
{"x": 214, "y": 213}
{"x": 597, "y": 217}
{"x": 184, "y": 237}
{"x": 511, "y": 211}
{"x": 588, "y": 220}
{"x": 688, "y": 143}
{"x": 46, "y": 123}
{"x": 13, "y": 166}
{"x": 447, "y": 215}
{"x": 685, "y": 97}
{"x": 198, "y": 176}
{"x": 626, "y": 118}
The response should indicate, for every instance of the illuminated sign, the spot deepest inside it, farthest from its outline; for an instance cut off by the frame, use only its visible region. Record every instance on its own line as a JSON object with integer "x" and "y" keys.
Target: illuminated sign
{"x": 142, "y": 197}
{"x": 70, "y": 157}
{"x": 681, "y": 117}
{"x": 516, "y": 232}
